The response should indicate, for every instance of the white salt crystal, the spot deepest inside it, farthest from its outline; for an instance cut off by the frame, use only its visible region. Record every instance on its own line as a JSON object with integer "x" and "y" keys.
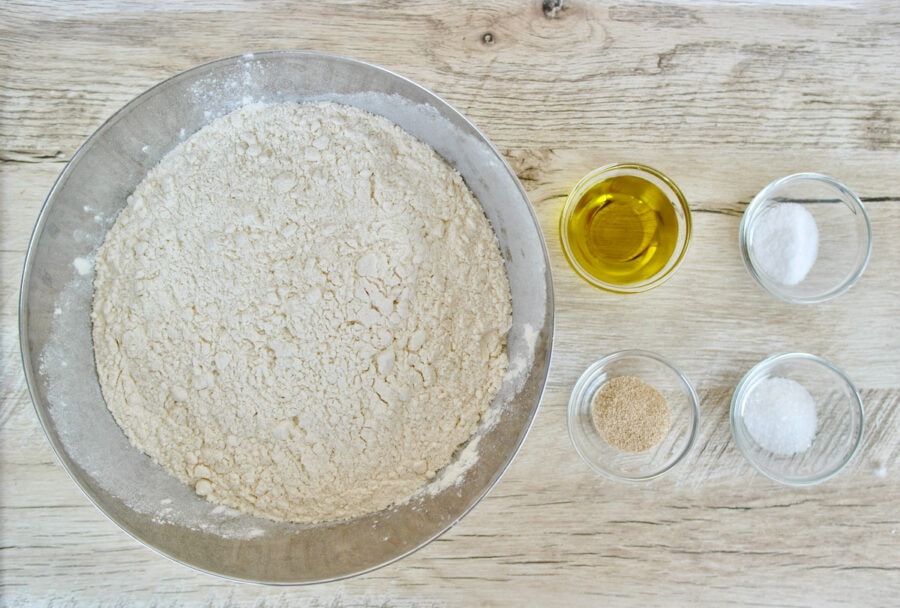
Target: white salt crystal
{"x": 785, "y": 243}
{"x": 780, "y": 415}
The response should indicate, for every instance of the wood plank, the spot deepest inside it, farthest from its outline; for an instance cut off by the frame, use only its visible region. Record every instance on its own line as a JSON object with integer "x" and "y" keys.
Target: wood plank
{"x": 723, "y": 96}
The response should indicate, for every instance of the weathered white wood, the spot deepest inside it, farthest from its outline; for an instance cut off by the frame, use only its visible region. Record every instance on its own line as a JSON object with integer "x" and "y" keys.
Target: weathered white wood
{"x": 724, "y": 96}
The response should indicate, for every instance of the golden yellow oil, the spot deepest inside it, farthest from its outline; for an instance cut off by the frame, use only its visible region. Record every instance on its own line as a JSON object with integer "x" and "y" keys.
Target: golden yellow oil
{"x": 623, "y": 230}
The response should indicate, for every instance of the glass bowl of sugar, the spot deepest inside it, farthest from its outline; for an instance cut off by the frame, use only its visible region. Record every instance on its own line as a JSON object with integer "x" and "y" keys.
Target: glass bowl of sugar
{"x": 797, "y": 418}
{"x": 633, "y": 416}
{"x": 806, "y": 238}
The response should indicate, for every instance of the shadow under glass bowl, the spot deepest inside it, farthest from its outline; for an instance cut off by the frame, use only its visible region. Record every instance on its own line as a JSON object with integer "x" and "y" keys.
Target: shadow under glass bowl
{"x": 55, "y": 335}
{"x": 838, "y": 414}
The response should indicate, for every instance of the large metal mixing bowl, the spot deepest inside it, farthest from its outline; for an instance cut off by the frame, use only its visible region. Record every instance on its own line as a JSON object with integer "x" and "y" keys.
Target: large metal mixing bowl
{"x": 139, "y": 496}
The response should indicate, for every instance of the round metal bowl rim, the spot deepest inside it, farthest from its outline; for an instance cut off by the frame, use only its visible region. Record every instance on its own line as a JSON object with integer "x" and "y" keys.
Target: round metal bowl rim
{"x": 72, "y": 164}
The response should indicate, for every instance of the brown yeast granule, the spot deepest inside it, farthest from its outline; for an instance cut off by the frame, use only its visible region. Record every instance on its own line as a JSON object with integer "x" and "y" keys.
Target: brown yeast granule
{"x": 630, "y": 415}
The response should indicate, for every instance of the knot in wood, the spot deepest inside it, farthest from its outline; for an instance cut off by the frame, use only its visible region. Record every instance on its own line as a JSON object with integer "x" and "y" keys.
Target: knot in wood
{"x": 551, "y": 8}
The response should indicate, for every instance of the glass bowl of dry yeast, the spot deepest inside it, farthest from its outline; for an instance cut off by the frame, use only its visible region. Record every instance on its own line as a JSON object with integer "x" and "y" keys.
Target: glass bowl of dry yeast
{"x": 633, "y": 415}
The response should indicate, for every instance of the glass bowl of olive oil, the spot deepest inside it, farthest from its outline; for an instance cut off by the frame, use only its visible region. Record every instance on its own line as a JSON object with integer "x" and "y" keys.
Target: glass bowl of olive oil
{"x": 625, "y": 227}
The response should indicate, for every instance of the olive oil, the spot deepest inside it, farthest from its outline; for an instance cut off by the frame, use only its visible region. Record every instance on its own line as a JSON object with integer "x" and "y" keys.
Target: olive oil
{"x": 623, "y": 230}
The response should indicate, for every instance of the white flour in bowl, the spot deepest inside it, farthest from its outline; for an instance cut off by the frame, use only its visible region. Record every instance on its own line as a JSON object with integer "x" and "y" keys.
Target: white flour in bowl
{"x": 301, "y": 312}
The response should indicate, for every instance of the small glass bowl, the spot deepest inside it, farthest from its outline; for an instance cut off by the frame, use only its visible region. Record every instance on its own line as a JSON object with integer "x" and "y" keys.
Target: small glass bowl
{"x": 844, "y": 236}
{"x": 683, "y": 404}
{"x": 628, "y": 182}
{"x": 839, "y": 414}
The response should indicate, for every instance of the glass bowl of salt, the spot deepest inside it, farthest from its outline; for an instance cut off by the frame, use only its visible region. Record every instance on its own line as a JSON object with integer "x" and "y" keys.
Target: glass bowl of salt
{"x": 806, "y": 238}
{"x": 797, "y": 418}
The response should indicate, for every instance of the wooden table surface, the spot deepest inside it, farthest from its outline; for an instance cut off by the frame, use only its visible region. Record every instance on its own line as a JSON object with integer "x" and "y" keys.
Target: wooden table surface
{"x": 724, "y": 96}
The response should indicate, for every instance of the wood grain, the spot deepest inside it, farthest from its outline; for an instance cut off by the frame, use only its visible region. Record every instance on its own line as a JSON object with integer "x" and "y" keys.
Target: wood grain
{"x": 723, "y": 96}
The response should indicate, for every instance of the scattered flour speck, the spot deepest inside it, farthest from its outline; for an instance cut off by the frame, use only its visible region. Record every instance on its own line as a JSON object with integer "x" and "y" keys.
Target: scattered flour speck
{"x": 83, "y": 266}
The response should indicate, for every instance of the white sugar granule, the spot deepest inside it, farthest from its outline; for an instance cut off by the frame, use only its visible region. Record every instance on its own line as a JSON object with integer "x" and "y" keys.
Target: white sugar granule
{"x": 785, "y": 243}
{"x": 780, "y": 415}
{"x": 301, "y": 312}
